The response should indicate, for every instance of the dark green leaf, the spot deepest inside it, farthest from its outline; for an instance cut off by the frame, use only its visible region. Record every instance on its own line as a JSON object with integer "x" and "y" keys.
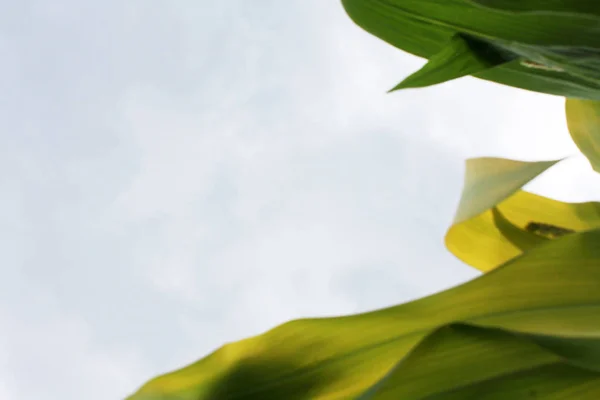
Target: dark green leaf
{"x": 461, "y": 57}
{"x": 558, "y": 52}
{"x": 584, "y": 7}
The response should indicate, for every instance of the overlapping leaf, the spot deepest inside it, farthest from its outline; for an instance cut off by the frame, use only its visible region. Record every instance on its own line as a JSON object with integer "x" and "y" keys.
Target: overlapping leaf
{"x": 463, "y": 56}
{"x": 490, "y": 180}
{"x": 496, "y": 221}
{"x": 583, "y": 119}
{"x": 535, "y": 315}
{"x": 552, "y": 52}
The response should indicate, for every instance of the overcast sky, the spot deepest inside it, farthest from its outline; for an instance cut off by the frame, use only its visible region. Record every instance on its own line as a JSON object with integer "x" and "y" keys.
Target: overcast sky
{"x": 175, "y": 175}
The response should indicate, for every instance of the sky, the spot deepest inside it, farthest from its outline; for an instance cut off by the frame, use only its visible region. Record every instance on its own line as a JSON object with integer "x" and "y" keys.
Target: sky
{"x": 178, "y": 175}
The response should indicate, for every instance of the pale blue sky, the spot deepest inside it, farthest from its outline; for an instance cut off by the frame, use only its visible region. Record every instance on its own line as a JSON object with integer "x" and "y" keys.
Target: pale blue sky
{"x": 176, "y": 175}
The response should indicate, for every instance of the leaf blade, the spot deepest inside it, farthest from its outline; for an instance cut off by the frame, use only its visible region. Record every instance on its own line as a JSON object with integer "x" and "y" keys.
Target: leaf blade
{"x": 336, "y": 358}
{"x": 458, "y": 355}
{"x": 513, "y": 221}
{"x": 461, "y": 57}
{"x": 423, "y": 27}
{"x": 490, "y": 180}
{"x": 581, "y": 7}
{"x": 583, "y": 121}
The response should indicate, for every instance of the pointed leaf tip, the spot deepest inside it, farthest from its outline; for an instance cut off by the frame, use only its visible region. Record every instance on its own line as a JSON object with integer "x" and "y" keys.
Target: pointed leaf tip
{"x": 489, "y": 181}
{"x": 461, "y": 57}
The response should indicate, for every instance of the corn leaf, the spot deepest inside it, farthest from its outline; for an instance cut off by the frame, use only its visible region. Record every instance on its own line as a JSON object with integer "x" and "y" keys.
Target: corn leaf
{"x": 585, "y": 7}
{"x": 490, "y": 180}
{"x": 496, "y": 221}
{"x": 516, "y": 225}
{"x": 552, "y": 382}
{"x": 583, "y": 120}
{"x": 554, "y": 52}
{"x": 461, "y": 57}
{"x": 473, "y": 359}
{"x": 533, "y": 317}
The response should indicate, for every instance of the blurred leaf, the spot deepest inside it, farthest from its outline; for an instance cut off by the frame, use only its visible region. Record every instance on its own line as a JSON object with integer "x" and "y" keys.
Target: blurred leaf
{"x": 461, "y": 57}
{"x": 496, "y": 221}
{"x": 532, "y": 318}
{"x": 554, "y": 52}
{"x": 583, "y": 119}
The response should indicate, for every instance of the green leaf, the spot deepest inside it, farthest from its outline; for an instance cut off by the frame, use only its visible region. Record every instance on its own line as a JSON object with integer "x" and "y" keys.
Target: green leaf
{"x": 530, "y": 319}
{"x": 583, "y": 120}
{"x": 458, "y": 355}
{"x": 496, "y": 221}
{"x": 584, "y": 7}
{"x": 552, "y": 382}
{"x": 467, "y": 358}
{"x": 461, "y": 57}
{"x": 558, "y": 53}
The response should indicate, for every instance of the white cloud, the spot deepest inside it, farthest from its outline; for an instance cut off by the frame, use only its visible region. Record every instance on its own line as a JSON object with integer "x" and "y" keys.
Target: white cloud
{"x": 179, "y": 175}
{"x": 44, "y": 355}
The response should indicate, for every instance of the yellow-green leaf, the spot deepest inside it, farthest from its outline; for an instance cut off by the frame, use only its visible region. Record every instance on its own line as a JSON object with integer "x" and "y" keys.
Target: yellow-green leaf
{"x": 529, "y": 318}
{"x": 551, "y": 382}
{"x": 458, "y": 355}
{"x": 583, "y": 120}
{"x": 496, "y": 221}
